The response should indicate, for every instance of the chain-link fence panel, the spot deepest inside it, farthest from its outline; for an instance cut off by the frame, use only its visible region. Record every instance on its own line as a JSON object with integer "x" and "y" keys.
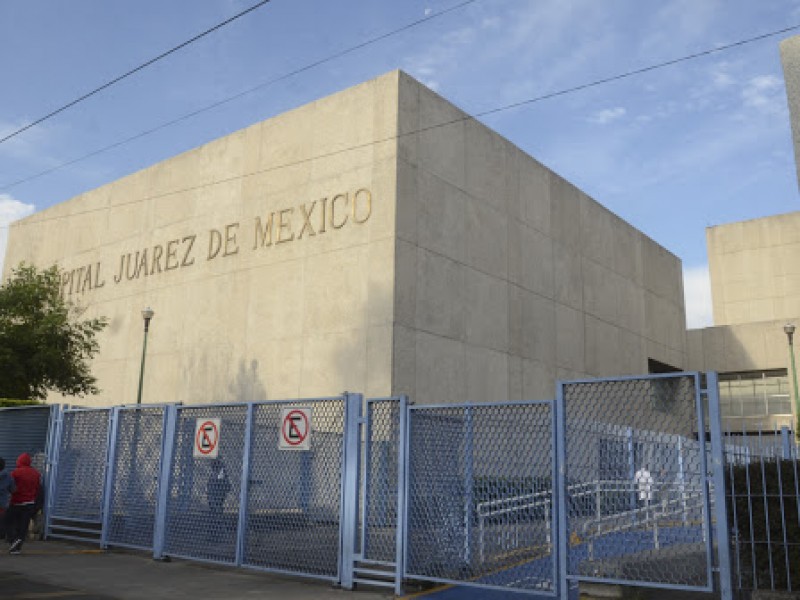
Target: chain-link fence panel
{"x": 636, "y": 498}
{"x": 80, "y": 472}
{"x": 480, "y": 502}
{"x": 294, "y": 487}
{"x": 205, "y": 481}
{"x": 137, "y": 461}
{"x": 379, "y": 502}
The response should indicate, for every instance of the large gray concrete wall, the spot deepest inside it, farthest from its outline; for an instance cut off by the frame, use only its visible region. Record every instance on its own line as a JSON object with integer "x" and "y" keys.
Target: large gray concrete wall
{"x": 320, "y": 251}
{"x": 734, "y": 348}
{"x": 508, "y": 277}
{"x": 755, "y": 271}
{"x": 267, "y": 256}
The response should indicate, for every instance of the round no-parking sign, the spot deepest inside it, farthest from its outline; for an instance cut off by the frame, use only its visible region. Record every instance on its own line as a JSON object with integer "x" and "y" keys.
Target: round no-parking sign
{"x": 295, "y": 431}
{"x": 206, "y": 438}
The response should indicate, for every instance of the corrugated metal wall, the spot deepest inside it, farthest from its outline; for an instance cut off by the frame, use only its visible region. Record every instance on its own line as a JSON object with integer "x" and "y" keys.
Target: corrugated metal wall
{"x": 23, "y": 429}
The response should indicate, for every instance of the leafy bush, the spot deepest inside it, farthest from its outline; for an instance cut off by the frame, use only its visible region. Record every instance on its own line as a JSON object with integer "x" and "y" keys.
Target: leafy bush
{"x": 10, "y": 402}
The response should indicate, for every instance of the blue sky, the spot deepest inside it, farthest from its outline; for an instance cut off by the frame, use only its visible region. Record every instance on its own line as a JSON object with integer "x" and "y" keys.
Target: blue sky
{"x": 672, "y": 151}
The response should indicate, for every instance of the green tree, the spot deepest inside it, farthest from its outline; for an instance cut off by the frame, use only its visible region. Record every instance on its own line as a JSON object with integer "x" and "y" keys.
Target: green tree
{"x": 44, "y": 345}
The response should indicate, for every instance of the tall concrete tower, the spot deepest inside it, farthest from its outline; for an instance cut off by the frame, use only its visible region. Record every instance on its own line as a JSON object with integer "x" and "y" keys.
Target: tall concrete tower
{"x": 790, "y": 56}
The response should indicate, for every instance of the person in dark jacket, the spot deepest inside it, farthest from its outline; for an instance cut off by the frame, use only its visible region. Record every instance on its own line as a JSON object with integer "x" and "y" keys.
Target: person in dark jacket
{"x": 23, "y": 502}
{"x": 7, "y": 487}
{"x": 218, "y": 487}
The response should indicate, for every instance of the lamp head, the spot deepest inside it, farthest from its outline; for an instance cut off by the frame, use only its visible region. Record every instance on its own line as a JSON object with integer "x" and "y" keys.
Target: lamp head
{"x": 147, "y": 314}
{"x": 788, "y": 329}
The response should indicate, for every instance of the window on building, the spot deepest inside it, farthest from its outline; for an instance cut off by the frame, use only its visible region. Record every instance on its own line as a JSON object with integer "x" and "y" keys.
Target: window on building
{"x": 755, "y": 394}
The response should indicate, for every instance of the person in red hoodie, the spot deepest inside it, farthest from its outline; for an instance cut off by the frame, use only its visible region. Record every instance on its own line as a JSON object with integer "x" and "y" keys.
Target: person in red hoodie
{"x": 23, "y": 502}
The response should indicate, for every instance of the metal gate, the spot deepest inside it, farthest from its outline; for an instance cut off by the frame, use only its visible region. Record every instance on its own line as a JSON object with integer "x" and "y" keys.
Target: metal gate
{"x": 281, "y": 507}
{"x": 379, "y": 551}
{"x": 635, "y": 506}
{"x": 479, "y": 493}
{"x": 611, "y": 483}
{"x": 132, "y": 479}
{"x": 275, "y": 486}
{"x": 75, "y": 497}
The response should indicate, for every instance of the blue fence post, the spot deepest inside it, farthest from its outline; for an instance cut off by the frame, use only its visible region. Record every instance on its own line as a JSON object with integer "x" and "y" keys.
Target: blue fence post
{"x": 241, "y": 530}
{"x": 402, "y": 497}
{"x": 631, "y": 465}
{"x": 55, "y": 431}
{"x": 786, "y": 443}
{"x": 167, "y": 452}
{"x": 718, "y": 467}
{"x": 555, "y": 495}
{"x": 469, "y": 485}
{"x": 350, "y": 471}
{"x": 561, "y": 489}
{"x": 108, "y": 487}
{"x": 367, "y": 483}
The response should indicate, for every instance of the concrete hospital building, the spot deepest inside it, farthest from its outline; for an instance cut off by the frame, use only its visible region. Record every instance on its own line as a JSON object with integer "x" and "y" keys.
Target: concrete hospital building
{"x": 380, "y": 240}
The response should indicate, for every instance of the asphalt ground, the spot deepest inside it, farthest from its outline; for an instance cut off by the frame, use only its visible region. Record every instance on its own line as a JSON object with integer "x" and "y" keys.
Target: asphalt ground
{"x": 61, "y": 570}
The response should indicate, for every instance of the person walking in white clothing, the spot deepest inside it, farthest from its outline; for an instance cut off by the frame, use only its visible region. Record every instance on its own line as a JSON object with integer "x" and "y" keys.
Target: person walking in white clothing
{"x": 644, "y": 484}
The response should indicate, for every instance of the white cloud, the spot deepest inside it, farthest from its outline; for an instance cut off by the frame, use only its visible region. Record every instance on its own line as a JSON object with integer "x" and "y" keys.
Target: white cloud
{"x": 677, "y": 23}
{"x": 764, "y": 93}
{"x": 697, "y": 297}
{"x": 601, "y": 117}
{"x": 29, "y": 145}
{"x": 10, "y": 210}
{"x": 721, "y": 79}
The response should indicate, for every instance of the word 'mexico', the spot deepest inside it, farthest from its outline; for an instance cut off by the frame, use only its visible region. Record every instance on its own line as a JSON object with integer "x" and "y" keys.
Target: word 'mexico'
{"x": 313, "y": 218}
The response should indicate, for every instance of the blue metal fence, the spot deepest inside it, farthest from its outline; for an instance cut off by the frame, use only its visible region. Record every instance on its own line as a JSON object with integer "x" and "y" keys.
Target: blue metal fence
{"x": 762, "y": 488}
{"x": 294, "y": 497}
{"x": 202, "y": 510}
{"x": 271, "y": 485}
{"x": 629, "y": 481}
{"x": 651, "y": 525}
{"x": 479, "y": 496}
{"x": 78, "y": 474}
{"x": 132, "y": 480}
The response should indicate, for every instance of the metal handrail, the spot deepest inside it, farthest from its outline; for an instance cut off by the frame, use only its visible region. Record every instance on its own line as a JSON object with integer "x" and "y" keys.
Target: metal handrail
{"x": 652, "y": 515}
{"x": 689, "y": 493}
{"x": 650, "y": 511}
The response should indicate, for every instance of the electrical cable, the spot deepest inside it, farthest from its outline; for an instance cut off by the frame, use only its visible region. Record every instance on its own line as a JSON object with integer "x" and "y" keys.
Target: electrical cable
{"x": 144, "y": 65}
{"x": 506, "y": 107}
{"x": 238, "y": 95}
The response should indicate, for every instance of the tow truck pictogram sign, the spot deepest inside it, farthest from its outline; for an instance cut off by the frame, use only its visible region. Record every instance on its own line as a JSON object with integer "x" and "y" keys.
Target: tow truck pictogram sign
{"x": 295, "y": 429}
{"x": 206, "y": 438}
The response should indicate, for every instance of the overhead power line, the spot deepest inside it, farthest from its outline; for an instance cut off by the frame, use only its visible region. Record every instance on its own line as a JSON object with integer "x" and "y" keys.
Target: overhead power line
{"x": 503, "y": 108}
{"x": 238, "y": 95}
{"x": 640, "y": 71}
{"x": 144, "y": 65}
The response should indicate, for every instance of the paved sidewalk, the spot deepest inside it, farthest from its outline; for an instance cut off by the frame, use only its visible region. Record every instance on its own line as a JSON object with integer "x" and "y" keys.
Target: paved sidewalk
{"x": 70, "y": 571}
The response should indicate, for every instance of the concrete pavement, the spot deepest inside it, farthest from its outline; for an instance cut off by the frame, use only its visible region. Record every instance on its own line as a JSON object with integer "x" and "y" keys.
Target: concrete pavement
{"x": 71, "y": 571}
{"x": 64, "y": 571}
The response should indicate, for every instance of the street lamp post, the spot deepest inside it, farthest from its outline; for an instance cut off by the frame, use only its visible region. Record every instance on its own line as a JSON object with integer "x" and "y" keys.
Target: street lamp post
{"x": 789, "y": 330}
{"x": 147, "y": 314}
